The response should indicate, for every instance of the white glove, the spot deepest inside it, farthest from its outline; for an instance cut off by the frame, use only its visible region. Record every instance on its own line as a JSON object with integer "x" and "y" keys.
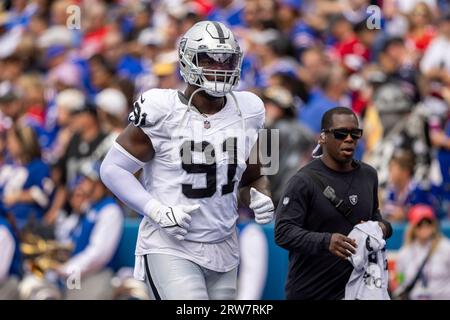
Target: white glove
{"x": 262, "y": 206}
{"x": 175, "y": 220}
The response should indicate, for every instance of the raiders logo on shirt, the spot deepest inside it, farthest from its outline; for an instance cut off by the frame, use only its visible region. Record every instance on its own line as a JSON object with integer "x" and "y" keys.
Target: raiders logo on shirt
{"x": 353, "y": 199}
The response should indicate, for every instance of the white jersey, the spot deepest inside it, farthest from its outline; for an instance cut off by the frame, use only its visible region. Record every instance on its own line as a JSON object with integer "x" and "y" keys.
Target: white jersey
{"x": 198, "y": 160}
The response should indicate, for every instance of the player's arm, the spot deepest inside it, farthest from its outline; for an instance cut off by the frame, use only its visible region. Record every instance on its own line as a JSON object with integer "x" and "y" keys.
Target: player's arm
{"x": 252, "y": 177}
{"x": 132, "y": 149}
{"x": 137, "y": 143}
{"x": 255, "y": 192}
{"x": 127, "y": 156}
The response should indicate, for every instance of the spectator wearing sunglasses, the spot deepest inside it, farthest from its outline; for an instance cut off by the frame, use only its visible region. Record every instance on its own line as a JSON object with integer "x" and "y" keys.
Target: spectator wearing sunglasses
{"x": 424, "y": 240}
{"x": 312, "y": 226}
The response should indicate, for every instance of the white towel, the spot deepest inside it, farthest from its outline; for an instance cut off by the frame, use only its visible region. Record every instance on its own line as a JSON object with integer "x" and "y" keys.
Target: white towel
{"x": 369, "y": 279}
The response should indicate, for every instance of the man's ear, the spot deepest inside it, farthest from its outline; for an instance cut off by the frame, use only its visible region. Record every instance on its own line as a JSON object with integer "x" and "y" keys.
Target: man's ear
{"x": 322, "y": 138}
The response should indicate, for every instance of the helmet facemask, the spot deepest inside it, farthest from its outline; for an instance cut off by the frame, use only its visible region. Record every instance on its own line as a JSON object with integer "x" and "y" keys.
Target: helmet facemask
{"x": 217, "y": 72}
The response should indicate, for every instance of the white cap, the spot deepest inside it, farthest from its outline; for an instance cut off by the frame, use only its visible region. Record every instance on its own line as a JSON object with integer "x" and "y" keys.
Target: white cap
{"x": 56, "y": 35}
{"x": 71, "y": 100}
{"x": 150, "y": 36}
{"x": 264, "y": 37}
{"x": 112, "y": 101}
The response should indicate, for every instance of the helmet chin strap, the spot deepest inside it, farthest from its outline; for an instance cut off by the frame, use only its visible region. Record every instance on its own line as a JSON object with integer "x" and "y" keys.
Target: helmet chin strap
{"x": 211, "y": 93}
{"x": 189, "y": 106}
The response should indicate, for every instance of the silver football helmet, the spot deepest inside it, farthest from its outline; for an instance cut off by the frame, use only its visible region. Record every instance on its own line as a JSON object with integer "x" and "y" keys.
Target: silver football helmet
{"x": 210, "y": 58}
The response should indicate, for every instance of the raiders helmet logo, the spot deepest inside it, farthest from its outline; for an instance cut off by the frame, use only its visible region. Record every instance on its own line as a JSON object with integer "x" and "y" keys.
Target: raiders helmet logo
{"x": 353, "y": 199}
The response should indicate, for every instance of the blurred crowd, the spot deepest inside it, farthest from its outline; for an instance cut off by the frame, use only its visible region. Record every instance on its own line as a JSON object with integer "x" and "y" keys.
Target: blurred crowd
{"x": 71, "y": 69}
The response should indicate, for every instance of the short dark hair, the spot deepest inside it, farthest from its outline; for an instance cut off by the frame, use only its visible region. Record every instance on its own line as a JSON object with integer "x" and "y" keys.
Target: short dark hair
{"x": 327, "y": 118}
{"x": 362, "y": 26}
{"x": 89, "y": 108}
{"x": 392, "y": 41}
{"x": 405, "y": 159}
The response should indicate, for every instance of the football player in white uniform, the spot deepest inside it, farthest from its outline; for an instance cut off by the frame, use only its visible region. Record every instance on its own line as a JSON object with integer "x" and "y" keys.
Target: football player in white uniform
{"x": 194, "y": 148}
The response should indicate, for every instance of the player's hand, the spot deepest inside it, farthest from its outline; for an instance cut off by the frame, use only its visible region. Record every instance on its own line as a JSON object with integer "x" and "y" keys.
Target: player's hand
{"x": 342, "y": 246}
{"x": 176, "y": 220}
{"x": 262, "y": 206}
{"x": 383, "y": 229}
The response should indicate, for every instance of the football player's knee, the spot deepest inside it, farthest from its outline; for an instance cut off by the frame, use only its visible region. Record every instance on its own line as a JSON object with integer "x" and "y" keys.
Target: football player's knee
{"x": 224, "y": 293}
{"x": 188, "y": 291}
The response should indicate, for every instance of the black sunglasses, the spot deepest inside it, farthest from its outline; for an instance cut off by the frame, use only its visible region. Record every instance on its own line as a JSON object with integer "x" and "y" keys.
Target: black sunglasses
{"x": 342, "y": 133}
{"x": 425, "y": 221}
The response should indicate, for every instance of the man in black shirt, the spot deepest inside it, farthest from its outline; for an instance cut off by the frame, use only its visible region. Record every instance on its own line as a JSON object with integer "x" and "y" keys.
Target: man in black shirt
{"x": 87, "y": 145}
{"x": 311, "y": 227}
